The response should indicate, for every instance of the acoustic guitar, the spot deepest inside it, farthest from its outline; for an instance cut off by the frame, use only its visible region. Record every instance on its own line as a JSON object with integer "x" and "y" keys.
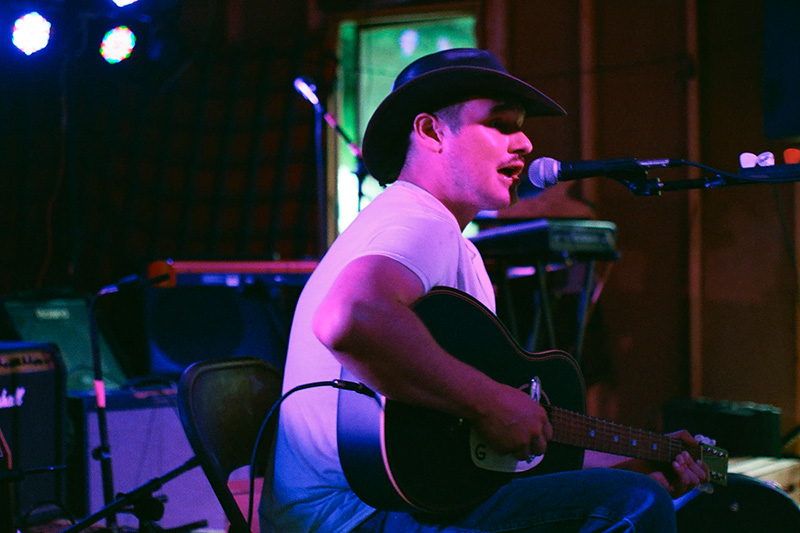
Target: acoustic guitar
{"x": 398, "y": 456}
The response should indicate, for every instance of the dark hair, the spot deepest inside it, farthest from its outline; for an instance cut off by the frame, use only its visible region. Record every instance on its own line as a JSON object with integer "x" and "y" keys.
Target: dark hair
{"x": 450, "y": 114}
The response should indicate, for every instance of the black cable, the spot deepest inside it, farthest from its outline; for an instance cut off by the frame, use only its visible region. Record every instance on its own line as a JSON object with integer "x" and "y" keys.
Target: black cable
{"x": 64, "y": 125}
{"x": 211, "y": 7}
{"x": 336, "y": 383}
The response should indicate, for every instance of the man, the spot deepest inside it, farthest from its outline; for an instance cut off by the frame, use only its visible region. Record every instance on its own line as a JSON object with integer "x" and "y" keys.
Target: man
{"x": 449, "y": 135}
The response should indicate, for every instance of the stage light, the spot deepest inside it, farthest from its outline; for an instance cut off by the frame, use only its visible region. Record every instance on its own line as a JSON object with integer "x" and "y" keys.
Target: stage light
{"x": 123, "y": 3}
{"x": 117, "y": 44}
{"x": 31, "y": 33}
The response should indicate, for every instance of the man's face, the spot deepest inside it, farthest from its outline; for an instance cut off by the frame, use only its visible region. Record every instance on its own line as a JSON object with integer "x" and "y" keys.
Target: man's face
{"x": 484, "y": 153}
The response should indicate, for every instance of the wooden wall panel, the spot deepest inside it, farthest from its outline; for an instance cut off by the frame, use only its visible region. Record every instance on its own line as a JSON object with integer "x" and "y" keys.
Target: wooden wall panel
{"x": 640, "y": 75}
{"x": 642, "y": 85}
{"x": 749, "y": 292}
{"x": 744, "y": 291}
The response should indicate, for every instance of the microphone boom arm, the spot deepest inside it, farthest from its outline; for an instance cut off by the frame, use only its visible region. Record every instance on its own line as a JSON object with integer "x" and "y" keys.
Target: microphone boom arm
{"x": 638, "y": 183}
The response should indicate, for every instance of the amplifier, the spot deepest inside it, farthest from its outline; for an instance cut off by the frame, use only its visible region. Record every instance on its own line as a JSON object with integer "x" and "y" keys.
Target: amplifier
{"x": 32, "y": 421}
{"x": 60, "y": 317}
{"x": 147, "y": 441}
{"x": 742, "y": 428}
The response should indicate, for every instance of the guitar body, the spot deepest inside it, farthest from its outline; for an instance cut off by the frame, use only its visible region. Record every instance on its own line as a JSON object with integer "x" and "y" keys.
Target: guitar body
{"x": 402, "y": 457}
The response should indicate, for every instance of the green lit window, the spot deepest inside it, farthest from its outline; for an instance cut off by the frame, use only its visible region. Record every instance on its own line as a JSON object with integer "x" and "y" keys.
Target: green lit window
{"x": 371, "y": 57}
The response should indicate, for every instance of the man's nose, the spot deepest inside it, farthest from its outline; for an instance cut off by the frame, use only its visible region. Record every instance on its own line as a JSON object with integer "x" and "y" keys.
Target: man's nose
{"x": 520, "y": 143}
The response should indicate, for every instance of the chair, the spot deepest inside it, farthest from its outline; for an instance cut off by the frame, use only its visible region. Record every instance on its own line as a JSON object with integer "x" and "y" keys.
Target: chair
{"x": 222, "y": 404}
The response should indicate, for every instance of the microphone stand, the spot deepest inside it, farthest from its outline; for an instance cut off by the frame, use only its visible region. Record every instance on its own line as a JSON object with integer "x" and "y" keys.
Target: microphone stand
{"x": 637, "y": 182}
{"x": 150, "y": 511}
{"x": 103, "y": 451}
{"x": 322, "y": 196}
{"x": 307, "y": 89}
{"x": 361, "y": 169}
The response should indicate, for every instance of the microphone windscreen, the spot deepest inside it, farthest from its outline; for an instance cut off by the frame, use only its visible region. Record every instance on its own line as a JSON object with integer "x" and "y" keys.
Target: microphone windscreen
{"x": 543, "y": 172}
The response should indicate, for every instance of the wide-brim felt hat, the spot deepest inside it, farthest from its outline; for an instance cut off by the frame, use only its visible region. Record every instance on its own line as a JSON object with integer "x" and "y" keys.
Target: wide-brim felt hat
{"x": 431, "y": 83}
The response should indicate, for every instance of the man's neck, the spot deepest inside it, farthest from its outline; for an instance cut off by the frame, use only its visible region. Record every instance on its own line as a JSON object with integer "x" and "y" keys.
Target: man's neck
{"x": 463, "y": 214}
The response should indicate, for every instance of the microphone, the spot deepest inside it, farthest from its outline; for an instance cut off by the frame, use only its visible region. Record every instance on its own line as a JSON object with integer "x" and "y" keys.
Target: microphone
{"x": 308, "y": 89}
{"x": 545, "y": 171}
{"x": 132, "y": 281}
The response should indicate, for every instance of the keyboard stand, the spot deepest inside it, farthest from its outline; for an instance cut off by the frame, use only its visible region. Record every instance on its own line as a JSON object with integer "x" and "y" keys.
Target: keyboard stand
{"x": 534, "y": 248}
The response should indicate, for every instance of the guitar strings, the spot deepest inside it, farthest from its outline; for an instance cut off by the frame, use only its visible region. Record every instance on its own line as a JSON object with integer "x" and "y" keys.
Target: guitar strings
{"x": 601, "y": 435}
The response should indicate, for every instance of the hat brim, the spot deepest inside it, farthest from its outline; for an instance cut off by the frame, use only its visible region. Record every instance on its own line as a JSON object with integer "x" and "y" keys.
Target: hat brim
{"x": 386, "y": 137}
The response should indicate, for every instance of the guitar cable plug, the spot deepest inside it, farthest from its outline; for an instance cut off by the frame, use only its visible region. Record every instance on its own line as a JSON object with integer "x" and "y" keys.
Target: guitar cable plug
{"x": 355, "y": 387}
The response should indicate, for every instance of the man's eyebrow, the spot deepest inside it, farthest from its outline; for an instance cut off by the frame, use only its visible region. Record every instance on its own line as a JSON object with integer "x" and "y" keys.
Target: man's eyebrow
{"x": 506, "y": 106}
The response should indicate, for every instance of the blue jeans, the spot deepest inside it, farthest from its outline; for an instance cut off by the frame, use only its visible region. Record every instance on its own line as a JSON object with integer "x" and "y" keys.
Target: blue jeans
{"x": 588, "y": 500}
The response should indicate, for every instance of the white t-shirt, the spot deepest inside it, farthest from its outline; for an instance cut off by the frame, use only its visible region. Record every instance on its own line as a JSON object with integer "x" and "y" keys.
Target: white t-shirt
{"x": 408, "y": 224}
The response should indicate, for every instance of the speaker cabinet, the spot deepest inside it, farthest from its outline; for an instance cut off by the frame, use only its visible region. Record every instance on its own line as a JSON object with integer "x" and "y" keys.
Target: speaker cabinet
{"x": 63, "y": 320}
{"x": 157, "y": 332}
{"x": 147, "y": 441}
{"x": 196, "y": 323}
{"x": 32, "y": 421}
{"x": 744, "y": 429}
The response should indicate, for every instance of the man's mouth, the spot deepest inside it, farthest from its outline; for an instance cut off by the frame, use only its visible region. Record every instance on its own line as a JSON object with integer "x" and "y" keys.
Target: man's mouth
{"x": 511, "y": 171}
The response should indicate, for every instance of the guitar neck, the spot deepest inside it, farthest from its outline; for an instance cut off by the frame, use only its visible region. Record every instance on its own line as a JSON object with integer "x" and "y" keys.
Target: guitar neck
{"x": 600, "y": 435}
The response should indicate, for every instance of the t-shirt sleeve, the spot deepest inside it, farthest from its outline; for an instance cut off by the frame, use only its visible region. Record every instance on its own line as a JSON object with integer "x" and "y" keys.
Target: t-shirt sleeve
{"x": 428, "y": 247}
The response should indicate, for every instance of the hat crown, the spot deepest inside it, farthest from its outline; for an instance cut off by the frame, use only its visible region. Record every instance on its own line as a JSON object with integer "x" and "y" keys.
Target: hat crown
{"x": 453, "y": 58}
{"x": 431, "y": 83}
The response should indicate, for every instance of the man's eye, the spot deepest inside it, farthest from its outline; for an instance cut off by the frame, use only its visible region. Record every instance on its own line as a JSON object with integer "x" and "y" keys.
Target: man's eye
{"x": 504, "y": 126}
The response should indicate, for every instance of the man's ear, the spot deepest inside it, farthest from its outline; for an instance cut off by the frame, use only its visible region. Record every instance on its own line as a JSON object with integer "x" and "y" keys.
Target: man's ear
{"x": 427, "y": 131}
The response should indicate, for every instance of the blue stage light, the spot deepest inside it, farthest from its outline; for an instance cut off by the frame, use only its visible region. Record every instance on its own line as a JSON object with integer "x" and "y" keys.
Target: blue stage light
{"x": 31, "y": 33}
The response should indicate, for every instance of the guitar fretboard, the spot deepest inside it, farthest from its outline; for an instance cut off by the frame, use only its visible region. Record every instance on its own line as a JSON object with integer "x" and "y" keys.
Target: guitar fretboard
{"x": 600, "y": 435}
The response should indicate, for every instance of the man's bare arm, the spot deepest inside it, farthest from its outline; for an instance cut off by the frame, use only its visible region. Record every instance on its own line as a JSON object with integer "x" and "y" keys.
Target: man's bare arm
{"x": 367, "y": 323}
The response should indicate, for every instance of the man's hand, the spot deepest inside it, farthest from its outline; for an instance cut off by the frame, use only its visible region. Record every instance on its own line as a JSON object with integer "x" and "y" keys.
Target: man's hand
{"x": 514, "y": 423}
{"x": 686, "y": 473}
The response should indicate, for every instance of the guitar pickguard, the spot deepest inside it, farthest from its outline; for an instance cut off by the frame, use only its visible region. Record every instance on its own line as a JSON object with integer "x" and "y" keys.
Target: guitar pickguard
{"x": 483, "y": 456}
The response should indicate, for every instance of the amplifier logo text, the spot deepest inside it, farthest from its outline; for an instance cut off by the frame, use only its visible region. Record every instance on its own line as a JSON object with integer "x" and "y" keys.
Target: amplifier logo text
{"x": 13, "y": 399}
{"x": 51, "y": 313}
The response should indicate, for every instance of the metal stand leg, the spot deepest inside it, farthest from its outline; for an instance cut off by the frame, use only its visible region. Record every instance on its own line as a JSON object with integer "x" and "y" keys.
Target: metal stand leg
{"x": 583, "y": 306}
{"x": 505, "y": 289}
{"x": 547, "y": 313}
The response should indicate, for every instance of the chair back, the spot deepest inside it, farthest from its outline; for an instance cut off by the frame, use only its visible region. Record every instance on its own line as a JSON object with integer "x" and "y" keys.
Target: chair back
{"x": 222, "y": 404}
